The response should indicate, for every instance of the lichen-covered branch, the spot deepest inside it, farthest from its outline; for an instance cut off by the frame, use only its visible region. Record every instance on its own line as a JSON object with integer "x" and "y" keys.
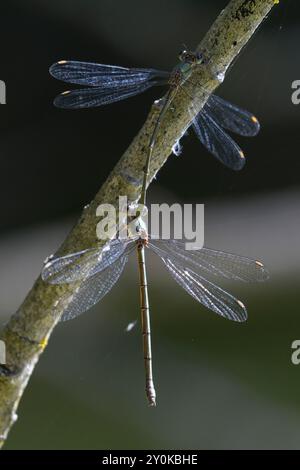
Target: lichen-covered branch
{"x": 27, "y": 332}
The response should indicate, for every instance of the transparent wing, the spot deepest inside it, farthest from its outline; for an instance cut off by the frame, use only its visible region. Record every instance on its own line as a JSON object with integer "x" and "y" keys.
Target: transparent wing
{"x": 212, "y": 262}
{"x": 232, "y": 117}
{"x": 98, "y": 96}
{"x": 207, "y": 293}
{"x": 107, "y": 76}
{"x": 217, "y": 142}
{"x": 84, "y": 264}
{"x": 93, "y": 289}
{"x": 209, "y": 262}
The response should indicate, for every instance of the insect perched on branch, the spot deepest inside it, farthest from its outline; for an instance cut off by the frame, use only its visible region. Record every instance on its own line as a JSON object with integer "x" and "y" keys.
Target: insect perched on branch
{"x": 194, "y": 271}
{"x": 109, "y": 83}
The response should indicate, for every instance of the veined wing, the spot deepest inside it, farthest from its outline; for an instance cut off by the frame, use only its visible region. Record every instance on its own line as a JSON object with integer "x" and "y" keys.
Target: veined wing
{"x": 98, "y": 96}
{"x": 207, "y": 293}
{"x": 93, "y": 289}
{"x": 84, "y": 264}
{"x": 107, "y": 76}
{"x": 217, "y": 142}
{"x": 232, "y": 117}
{"x": 211, "y": 262}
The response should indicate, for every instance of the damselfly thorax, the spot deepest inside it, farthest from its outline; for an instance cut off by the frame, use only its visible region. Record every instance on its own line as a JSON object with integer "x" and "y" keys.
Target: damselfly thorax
{"x": 183, "y": 70}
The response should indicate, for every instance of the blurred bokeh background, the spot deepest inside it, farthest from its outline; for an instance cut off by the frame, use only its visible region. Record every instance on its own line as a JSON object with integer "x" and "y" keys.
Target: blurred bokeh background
{"x": 220, "y": 385}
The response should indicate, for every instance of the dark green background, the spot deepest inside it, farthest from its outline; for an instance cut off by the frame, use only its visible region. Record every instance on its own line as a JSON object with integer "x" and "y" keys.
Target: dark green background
{"x": 220, "y": 385}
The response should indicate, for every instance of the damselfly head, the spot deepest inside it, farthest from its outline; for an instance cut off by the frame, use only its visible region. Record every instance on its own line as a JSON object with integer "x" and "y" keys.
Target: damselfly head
{"x": 141, "y": 229}
{"x": 189, "y": 57}
{"x": 183, "y": 55}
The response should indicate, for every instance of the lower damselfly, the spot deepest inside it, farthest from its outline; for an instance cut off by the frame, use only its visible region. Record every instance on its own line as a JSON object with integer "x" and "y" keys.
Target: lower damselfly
{"x": 99, "y": 269}
{"x": 109, "y": 83}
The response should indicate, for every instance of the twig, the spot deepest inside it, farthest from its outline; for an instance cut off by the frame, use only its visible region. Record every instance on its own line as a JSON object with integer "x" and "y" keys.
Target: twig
{"x": 27, "y": 332}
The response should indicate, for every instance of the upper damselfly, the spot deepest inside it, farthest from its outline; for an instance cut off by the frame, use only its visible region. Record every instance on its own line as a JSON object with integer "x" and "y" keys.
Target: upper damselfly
{"x": 108, "y": 84}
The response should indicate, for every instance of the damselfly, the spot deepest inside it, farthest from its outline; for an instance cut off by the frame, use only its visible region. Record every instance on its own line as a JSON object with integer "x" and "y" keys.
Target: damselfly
{"x": 99, "y": 270}
{"x": 108, "y": 84}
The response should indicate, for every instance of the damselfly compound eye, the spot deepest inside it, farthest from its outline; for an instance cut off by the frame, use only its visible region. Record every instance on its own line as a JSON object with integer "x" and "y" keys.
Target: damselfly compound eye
{"x": 189, "y": 57}
{"x": 182, "y": 55}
